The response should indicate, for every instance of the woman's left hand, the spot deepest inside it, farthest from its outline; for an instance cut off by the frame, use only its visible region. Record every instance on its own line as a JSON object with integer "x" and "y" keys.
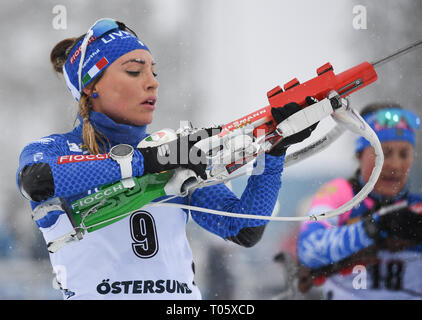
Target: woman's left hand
{"x": 282, "y": 113}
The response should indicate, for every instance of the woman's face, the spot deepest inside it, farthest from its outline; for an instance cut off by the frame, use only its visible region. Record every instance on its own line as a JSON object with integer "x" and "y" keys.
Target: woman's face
{"x": 398, "y": 160}
{"x": 127, "y": 91}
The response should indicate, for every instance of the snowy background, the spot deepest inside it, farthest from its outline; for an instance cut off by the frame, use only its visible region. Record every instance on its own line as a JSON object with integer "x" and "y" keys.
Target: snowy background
{"x": 216, "y": 60}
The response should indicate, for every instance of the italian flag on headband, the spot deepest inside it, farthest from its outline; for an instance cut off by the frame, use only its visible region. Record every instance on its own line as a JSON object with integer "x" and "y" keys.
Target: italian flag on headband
{"x": 94, "y": 70}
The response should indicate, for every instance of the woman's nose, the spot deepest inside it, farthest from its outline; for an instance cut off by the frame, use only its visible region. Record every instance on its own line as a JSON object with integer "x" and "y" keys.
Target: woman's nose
{"x": 151, "y": 83}
{"x": 393, "y": 162}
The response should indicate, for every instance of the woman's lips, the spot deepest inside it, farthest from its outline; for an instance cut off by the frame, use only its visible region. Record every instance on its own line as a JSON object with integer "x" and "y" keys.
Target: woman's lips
{"x": 149, "y": 104}
{"x": 391, "y": 179}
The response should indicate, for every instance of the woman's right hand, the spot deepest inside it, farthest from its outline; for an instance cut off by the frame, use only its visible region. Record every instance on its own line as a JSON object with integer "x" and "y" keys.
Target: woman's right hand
{"x": 180, "y": 152}
{"x": 402, "y": 224}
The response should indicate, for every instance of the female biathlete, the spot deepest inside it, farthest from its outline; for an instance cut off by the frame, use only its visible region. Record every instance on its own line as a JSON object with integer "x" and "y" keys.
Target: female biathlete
{"x": 111, "y": 73}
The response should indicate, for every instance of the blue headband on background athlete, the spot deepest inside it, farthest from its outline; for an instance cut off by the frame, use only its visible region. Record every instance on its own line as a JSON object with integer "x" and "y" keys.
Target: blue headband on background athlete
{"x": 391, "y": 125}
{"x": 105, "y": 42}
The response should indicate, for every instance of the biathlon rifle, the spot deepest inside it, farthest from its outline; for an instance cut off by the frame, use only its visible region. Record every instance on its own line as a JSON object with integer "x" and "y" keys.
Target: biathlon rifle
{"x": 239, "y": 143}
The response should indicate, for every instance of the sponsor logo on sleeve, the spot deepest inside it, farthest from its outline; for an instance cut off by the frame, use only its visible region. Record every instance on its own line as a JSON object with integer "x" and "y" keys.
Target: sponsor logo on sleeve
{"x": 81, "y": 158}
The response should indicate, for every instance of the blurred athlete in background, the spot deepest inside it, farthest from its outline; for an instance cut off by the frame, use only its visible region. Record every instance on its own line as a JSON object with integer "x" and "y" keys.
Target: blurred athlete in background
{"x": 383, "y": 235}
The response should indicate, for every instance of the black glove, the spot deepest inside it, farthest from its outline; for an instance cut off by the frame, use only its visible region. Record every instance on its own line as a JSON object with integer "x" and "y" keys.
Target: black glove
{"x": 371, "y": 227}
{"x": 282, "y": 113}
{"x": 403, "y": 224}
{"x": 178, "y": 153}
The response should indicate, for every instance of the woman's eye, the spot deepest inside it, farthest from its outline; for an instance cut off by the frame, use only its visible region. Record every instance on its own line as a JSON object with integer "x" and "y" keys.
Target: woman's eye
{"x": 155, "y": 74}
{"x": 133, "y": 73}
{"x": 387, "y": 153}
{"x": 404, "y": 154}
